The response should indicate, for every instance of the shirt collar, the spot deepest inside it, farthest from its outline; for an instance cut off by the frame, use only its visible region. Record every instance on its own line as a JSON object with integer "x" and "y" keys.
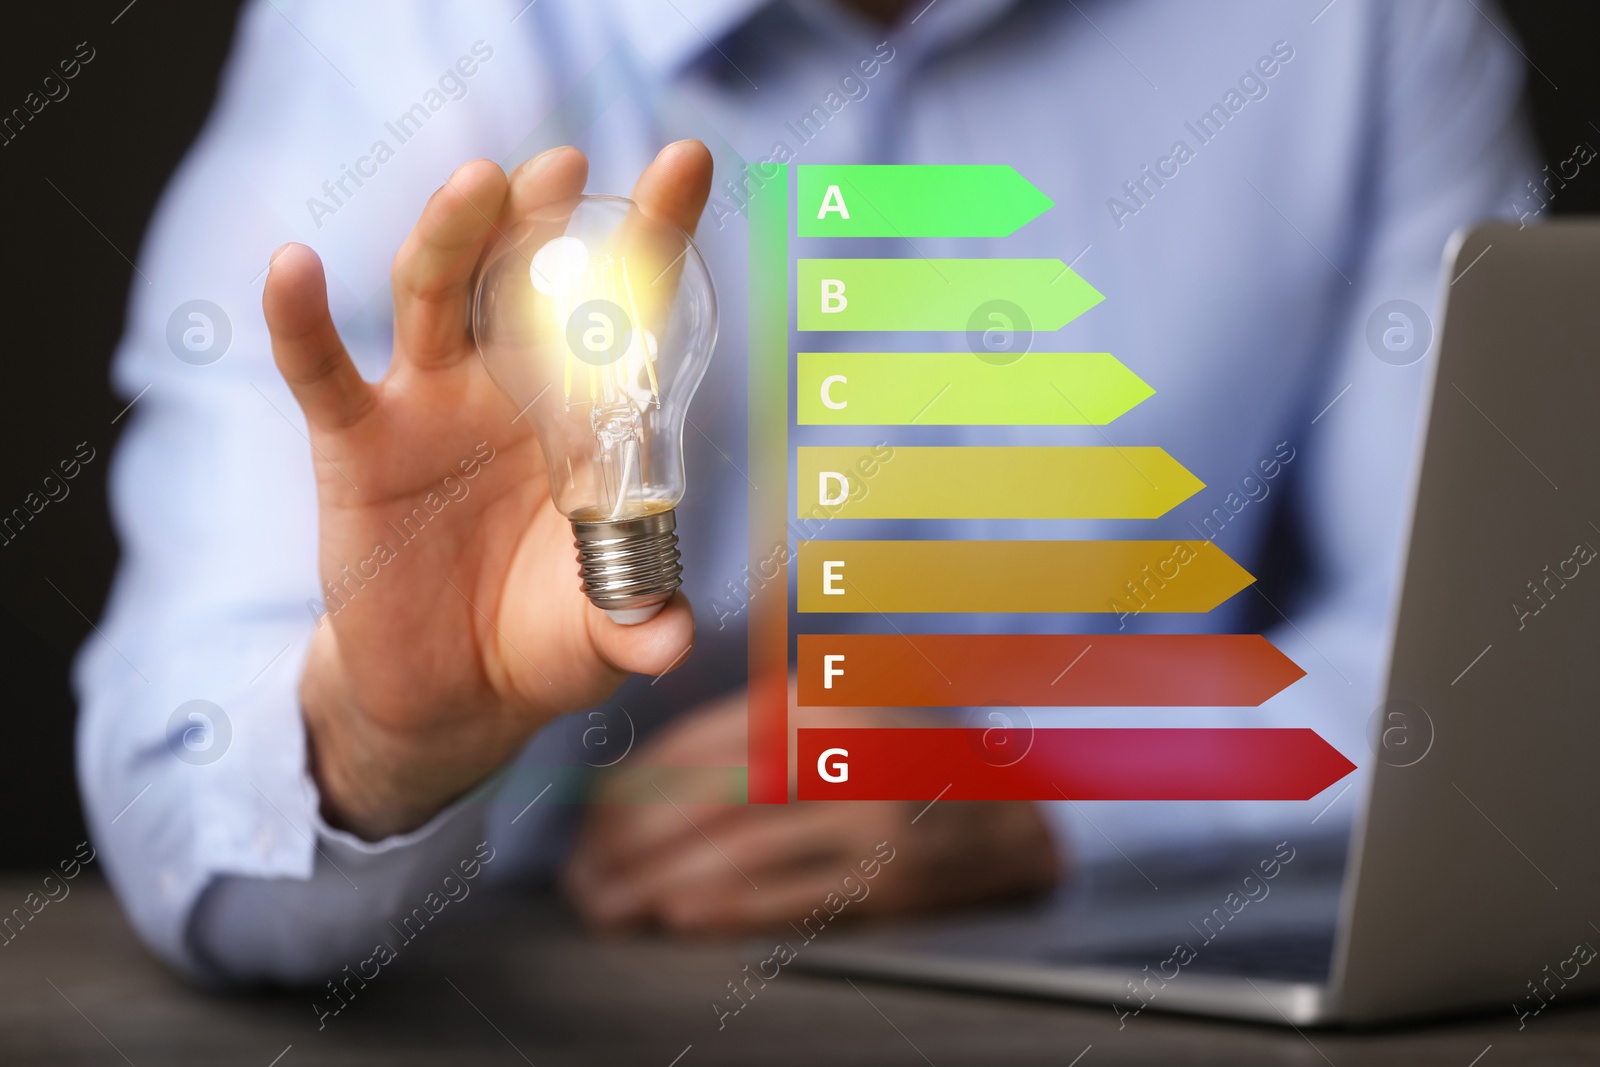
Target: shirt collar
{"x": 668, "y": 34}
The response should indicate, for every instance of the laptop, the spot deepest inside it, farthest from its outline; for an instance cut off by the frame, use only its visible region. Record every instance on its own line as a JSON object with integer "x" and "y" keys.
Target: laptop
{"x": 1471, "y": 877}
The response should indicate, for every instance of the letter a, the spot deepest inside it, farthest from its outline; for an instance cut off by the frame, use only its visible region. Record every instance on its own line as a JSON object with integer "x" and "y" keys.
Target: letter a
{"x": 833, "y": 200}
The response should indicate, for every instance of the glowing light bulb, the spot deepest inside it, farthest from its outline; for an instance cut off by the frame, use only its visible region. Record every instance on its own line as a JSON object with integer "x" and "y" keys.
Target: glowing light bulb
{"x": 598, "y": 323}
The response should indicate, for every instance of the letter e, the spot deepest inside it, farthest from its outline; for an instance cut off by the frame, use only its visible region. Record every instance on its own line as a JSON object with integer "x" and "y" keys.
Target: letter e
{"x": 831, "y": 577}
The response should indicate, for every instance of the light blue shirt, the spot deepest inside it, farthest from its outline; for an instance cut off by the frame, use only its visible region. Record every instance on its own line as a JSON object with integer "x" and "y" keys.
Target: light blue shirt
{"x": 1326, "y": 155}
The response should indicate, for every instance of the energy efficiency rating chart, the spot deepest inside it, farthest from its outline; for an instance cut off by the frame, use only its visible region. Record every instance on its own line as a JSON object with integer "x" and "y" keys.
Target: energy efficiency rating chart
{"x": 839, "y": 573}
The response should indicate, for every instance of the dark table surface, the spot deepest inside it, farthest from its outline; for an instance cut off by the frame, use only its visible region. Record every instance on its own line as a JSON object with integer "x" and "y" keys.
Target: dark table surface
{"x": 512, "y": 980}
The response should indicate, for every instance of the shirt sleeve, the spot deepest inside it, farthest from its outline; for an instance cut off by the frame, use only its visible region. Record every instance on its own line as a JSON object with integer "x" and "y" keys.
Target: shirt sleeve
{"x": 1442, "y": 143}
{"x": 191, "y": 748}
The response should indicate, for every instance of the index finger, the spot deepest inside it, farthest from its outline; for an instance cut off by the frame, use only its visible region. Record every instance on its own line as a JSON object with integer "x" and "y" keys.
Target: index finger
{"x": 667, "y": 202}
{"x": 434, "y": 267}
{"x": 673, "y": 189}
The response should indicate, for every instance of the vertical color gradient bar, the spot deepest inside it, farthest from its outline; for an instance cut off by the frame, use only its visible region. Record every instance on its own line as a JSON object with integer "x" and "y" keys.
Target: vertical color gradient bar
{"x": 768, "y": 633}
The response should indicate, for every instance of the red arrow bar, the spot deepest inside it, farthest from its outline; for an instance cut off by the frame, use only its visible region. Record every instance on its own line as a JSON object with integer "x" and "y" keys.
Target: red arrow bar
{"x": 1072, "y": 764}
{"x": 1041, "y": 670}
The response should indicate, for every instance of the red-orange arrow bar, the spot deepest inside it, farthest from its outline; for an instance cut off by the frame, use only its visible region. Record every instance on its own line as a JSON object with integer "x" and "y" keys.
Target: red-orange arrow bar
{"x": 1041, "y": 670}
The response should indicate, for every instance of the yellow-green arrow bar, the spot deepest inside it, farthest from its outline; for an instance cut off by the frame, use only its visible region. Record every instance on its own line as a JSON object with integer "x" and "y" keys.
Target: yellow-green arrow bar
{"x": 977, "y": 295}
{"x": 915, "y": 201}
{"x": 963, "y": 389}
{"x": 1008, "y": 482}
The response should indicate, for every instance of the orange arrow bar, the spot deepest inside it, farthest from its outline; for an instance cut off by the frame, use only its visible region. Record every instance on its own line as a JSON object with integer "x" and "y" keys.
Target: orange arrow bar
{"x": 1041, "y": 670}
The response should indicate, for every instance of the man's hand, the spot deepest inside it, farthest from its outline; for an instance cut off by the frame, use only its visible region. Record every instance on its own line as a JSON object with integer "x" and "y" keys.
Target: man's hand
{"x": 450, "y": 640}
{"x": 734, "y": 868}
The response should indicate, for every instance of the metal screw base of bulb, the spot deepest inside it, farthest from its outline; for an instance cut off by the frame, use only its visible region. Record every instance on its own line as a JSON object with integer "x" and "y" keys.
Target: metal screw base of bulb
{"x": 629, "y": 567}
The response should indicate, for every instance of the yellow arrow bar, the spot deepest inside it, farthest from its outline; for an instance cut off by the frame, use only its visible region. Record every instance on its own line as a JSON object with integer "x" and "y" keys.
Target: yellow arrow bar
{"x": 1015, "y": 576}
{"x": 882, "y": 482}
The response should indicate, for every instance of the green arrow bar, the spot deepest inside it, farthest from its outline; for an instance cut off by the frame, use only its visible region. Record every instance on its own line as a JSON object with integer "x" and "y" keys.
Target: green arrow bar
{"x": 1012, "y": 296}
{"x": 915, "y": 201}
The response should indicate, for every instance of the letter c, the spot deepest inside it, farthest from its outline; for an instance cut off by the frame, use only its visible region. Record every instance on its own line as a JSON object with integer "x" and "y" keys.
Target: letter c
{"x": 839, "y": 772}
{"x": 827, "y": 392}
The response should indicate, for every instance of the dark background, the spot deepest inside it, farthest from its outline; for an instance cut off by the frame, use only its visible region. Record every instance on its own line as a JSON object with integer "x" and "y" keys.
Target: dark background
{"x": 108, "y": 147}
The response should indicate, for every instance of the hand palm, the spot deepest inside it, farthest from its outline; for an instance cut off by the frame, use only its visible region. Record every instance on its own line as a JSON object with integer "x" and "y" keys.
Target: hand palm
{"x": 456, "y": 625}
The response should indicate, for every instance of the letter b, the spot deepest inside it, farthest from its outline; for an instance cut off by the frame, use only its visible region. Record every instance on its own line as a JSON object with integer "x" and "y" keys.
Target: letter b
{"x": 833, "y": 298}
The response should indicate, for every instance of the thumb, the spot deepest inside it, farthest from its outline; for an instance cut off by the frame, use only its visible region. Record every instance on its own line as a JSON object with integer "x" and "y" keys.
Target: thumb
{"x": 655, "y": 647}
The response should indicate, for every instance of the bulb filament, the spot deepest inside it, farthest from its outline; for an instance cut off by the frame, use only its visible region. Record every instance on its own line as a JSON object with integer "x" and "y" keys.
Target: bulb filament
{"x": 610, "y": 365}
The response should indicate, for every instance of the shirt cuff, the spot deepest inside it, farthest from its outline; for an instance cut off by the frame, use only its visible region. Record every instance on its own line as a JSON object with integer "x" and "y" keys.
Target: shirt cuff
{"x": 359, "y": 894}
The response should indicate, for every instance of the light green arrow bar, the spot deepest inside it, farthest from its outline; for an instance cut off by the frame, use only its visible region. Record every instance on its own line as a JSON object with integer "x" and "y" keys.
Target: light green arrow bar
{"x": 963, "y": 389}
{"x": 915, "y": 201}
{"x": 1015, "y": 296}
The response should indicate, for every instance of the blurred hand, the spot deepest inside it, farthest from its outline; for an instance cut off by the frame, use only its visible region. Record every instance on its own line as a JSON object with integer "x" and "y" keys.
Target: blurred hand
{"x": 732, "y": 868}
{"x": 444, "y": 658}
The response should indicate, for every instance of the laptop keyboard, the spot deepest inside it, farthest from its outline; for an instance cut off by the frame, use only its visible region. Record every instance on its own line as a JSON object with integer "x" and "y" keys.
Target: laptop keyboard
{"x": 1289, "y": 956}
